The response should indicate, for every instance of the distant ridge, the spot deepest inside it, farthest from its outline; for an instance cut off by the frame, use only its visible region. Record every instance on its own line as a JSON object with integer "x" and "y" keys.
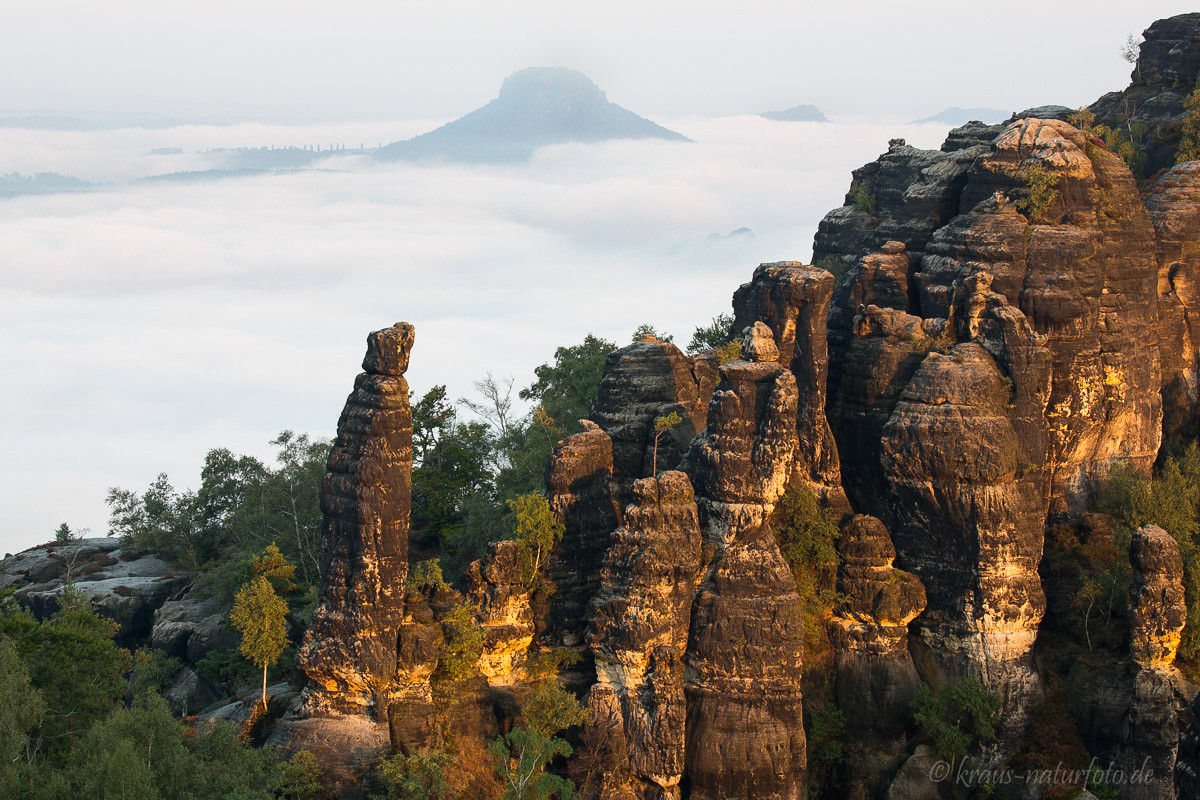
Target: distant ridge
{"x": 961, "y": 116}
{"x": 804, "y": 113}
{"x": 536, "y": 107}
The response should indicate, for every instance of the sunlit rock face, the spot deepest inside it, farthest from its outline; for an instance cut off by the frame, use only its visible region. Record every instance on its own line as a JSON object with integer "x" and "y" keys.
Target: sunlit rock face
{"x": 791, "y": 301}
{"x": 744, "y": 734}
{"x": 1157, "y": 611}
{"x": 1085, "y": 276}
{"x": 1164, "y": 76}
{"x": 501, "y": 596}
{"x": 876, "y": 679}
{"x": 350, "y": 651}
{"x": 1173, "y": 201}
{"x": 645, "y": 382}
{"x": 638, "y": 633}
{"x": 582, "y": 494}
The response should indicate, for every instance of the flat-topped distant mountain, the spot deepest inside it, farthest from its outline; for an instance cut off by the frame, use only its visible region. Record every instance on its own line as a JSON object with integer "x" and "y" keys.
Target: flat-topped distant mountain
{"x": 804, "y": 113}
{"x": 961, "y": 116}
{"x": 536, "y": 107}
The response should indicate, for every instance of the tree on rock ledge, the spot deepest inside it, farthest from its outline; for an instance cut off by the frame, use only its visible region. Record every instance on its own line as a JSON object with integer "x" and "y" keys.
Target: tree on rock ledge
{"x": 258, "y": 615}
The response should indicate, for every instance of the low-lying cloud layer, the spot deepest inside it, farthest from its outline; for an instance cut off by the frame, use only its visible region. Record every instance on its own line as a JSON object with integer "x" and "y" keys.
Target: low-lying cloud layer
{"x": 146, "y": 323}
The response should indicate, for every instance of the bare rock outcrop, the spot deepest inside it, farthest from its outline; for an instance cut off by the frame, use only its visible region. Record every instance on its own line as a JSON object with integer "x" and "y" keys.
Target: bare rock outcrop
{"x": 1173, "y": 201}
{"x": 642, "y": 383}
{"x": 792, "y": 302}
{"x": 1157, "y": 611}
{"x": 638, "y": 634}
{"x": 745, "y": 733}
{"x": 876, "y": 679}
{"x": 501, "y": 594}
{"x": 1162, "y": 79}
{"x": 350, "y": 652}
{"x": 583, "y": 497}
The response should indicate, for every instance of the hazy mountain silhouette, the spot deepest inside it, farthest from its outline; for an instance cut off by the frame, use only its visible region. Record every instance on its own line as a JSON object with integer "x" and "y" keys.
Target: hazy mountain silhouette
{"x": 536, "y": 107}
{"x": 961, "y": 116}
{"x": 805, "y": 113}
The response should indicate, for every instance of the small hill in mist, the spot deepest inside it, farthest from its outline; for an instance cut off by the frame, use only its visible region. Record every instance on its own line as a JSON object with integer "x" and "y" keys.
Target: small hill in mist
{"x": 536, "y": 107}
{"x": 961, "y": 116}
{"x": 804, "y": 113}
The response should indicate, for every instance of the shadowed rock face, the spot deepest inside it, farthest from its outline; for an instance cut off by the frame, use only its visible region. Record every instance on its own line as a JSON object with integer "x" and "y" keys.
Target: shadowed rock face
{"x": 583, "y": 497}
{"x": 638, "y": 633}
{"x": 349, "y": 653}
{"x": 745, "y": 736}
{"x": 876, "y": 679}
{"x": 1174, "y": 205}
{"x": 642, "y": 383}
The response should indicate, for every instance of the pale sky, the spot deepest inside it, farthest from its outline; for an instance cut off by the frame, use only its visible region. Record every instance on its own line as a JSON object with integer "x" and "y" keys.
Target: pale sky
{"x": 143, "y": 324}
{"x": 389, "y": 59}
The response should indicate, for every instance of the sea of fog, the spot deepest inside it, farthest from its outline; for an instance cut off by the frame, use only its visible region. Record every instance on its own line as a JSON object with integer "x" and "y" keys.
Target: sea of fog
{"x": 144, "y": 323}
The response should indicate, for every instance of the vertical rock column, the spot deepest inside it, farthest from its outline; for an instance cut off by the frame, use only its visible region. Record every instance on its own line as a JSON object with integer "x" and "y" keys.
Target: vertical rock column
{"x": 582, "y": 495}
{"x": 745, "y": 732}
{"x": 638, "y": 633}
{"x": 876, "y": 678}
{"x": 1157, "y": 615}
{"x": 350, "y": 651}
{"x": 792, "y": 301}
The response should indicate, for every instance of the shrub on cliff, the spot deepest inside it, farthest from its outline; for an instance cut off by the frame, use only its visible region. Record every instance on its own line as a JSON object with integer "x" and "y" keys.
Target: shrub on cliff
{"x": 806, "y": 533}
{"x": 1170, "y": 500}
{"x": 711, "y": 336}
{"x": 524, "y": 753}
{"x": 1189, "y": 140}
{"x": 1040, "y": 192}
{"x": 956, "y": 717}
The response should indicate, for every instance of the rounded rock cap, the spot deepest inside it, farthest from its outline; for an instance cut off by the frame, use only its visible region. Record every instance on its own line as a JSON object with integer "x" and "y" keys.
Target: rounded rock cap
{"x": 388, "y": 349}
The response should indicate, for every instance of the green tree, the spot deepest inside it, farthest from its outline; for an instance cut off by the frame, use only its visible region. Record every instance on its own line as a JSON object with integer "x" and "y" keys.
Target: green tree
{"x": 64, "y": 535}
{"x": 1040, "y": 192}
{"x": 21, "y": 711}
{"x": 259, "y": 615}
{"x": 661, "y": 426}
{"x": 73, "y": 663}
{"x": 462, "y": 644}
{"x": 956, "y": 717}
{"x": 566, "y": 389}
{"x": 537, "y": 531}
{"x": 273, "y": 566}
{"x": 1189, "y": 141}
{"x": 427, "y": 574}
{"x": 161, "y": 520}
{"x": 806, "y": 533}
{"x": 713, "y": 335}
{"x": 420, "y": 777}
{"x": 646, "y": 329}
{"x": 300, "y": 778}
{"x": 524, "y": 753}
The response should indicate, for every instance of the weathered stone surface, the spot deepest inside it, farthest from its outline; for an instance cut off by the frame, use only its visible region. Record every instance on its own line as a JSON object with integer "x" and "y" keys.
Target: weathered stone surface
{"x": 1131, "y": 718}
{"x": 176, "y": 623}
{"x": 124, "y": 587}
{"x": 920, "y": 778}
{"x": 792, "y": 301}
{"x": 1084, "y": 277}
{"x": 189, "y": 693}
{"x": 1187, "y": 761}
{"x": 347, "y": 747}
{"x": 968, "y": 522}
{"x": 745, "y": 734}
{"x": 1157, "y": 610}
{"x": 1164, "y": 75}
{"x": 349, "y": 653}
{"x": 1174, "y": 205}
{"x": 582, "y": 496}
{"x": 886, "y": 351}
{"x": 875, "y": 676}
{"x": 643, "y": 382}
{"x": 502, "y": 596}
{"x": 639, "y": 631}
